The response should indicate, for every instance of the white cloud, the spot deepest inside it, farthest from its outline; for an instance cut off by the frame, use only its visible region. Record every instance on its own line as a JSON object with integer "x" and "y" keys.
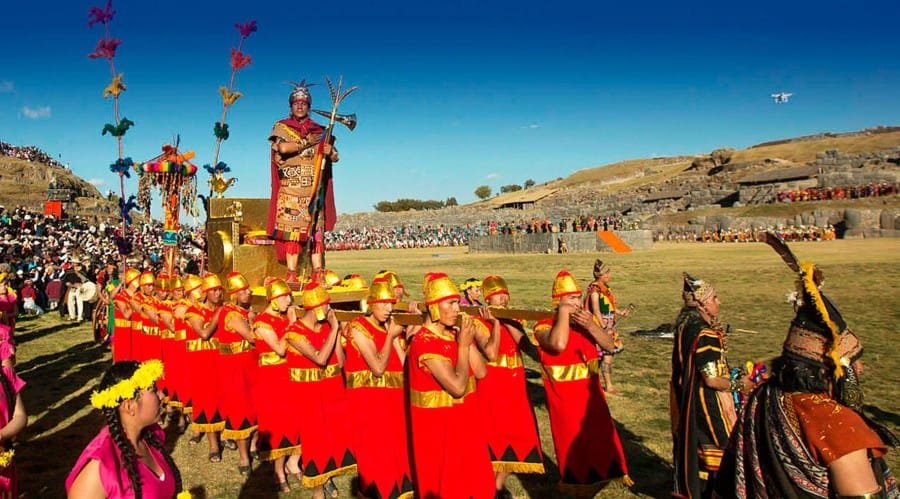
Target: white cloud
{"x": 7, "y": 87}
{"x": 36, "y": 113}
{"x": 532, "y": 126}
{"x": 97, "y": 182}
{"x": 492, "y": 176}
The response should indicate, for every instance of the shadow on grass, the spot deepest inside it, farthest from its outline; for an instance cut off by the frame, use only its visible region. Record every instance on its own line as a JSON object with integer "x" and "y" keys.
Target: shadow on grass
{"x": 261, "y": 483}
{"x": 44, "y": 331}
{"x": 652, "y": 474}
{"x": 881, "y": 416}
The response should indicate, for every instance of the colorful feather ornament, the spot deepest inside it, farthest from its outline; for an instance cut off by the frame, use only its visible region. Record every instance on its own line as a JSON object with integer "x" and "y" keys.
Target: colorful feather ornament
{"x": 118, "y": 130}
{"x": 122, "y": 167}
{"x": 106, "y": 48}
{"x": 101, "y": 16}
{"x": 246, "y": 29}
{"x": 220, "y": 130}
{"x": 220, "y": 167}
{"x": 229, "y": 98}
{"x": 115, "y": 87}
{"x": 239, "y": 60}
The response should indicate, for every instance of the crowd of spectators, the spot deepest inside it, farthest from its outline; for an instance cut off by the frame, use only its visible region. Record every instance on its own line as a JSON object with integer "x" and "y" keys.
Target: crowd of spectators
{"x": 29, "y": 153}
{"x": 436, "y": 236}
{"x": 828, "y": 193}
{"x": 37, "y": 249}
{"x": 789, "y": 233}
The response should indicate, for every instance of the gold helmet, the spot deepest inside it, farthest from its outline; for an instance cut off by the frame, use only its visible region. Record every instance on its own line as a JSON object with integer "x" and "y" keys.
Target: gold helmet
{"x": 235, "y": 282}
{"x": 191, "y": 283}
{"x": 276, "y": 288}
{"x": 564, "y": 285}
{"x": 147, "y": 279}
{"x": 393, "y": 280}
{"x": 437, "y": 288}
{"x": 492, "y": 285}
{"x": 381, "y": 291}
{"x": 315, "y": 297}
{"x": 175, "y": 283}
{"x": 210, "y": 282}
{"x": 331, "y": 278}
{"x": 354, "y": 281}
{"x": 130, "y": 275}
{"x": 162, "y": 281}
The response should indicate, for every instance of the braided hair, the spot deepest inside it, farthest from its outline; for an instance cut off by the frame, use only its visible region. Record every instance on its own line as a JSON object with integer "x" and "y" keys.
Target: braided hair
{"x": 121, "y": 371}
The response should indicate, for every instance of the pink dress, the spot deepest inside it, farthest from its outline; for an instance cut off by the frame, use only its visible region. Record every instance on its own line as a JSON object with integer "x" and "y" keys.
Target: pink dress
{"x": 113, "y": 474}
{"x": 8, "y": 479}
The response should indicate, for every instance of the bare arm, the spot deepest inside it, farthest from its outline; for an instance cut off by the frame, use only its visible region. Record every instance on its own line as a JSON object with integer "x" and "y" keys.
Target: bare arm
{"x": 454, "y": 379}
{"x": 586, "y": 320}
{"x": 320, "y": 357}
{"x": 477, "y": 363}
{"x": 556, "y": 338}
{"x": 267, "y": 335}
{"x": 490, "y": 344}
{"x": 87, "y": 484}
{"x": 124, "y": 308}
{"x": 240, "y": 326}
{"x": 377, "y": 360}
{"x": 16, "y": 423}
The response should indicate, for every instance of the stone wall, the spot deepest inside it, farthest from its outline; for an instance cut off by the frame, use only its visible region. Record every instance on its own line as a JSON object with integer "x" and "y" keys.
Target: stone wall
{"x": 577, "y": 242}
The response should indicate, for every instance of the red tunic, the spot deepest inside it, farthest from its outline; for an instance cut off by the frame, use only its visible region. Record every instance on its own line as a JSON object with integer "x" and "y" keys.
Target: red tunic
{"x": 166, "y": 344}
{"x": 177, "y": 374}
{"x": 137, "y": 328}
{"x": 203, "y": 361}
{"x": 152, "y": 346}
{"x": 379, "y": 444}
{"x": 506, "y": 410}
{"x": 279, "y": 434}
{"x": 587, "y": 445}
{"x": 450, "y": 457}
{"x": 325, "y": 438}
{"x": 237, "y": 369}
{"x": 121, "y": 342}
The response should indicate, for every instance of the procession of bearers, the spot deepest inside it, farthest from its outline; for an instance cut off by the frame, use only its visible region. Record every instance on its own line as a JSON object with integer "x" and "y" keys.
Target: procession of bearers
{"x": 408, "y": 395}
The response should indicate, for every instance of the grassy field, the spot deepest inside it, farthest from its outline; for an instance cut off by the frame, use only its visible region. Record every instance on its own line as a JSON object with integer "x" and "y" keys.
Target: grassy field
{"x": 61, "y": 364}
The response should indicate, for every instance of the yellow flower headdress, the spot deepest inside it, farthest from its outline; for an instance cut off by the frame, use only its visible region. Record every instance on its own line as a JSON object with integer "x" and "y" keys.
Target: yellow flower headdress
{"x": 143, "y": 378}
{"x": 6, "y": 458}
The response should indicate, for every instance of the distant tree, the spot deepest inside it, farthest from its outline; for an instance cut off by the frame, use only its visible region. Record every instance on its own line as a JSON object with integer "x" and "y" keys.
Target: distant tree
{"x": 483, "y": 191}
{"x": 529, "y": 183}
{"x": 511, "y": 188}
{"x": 451, "y": 201}
{"x": 408, "y": 204}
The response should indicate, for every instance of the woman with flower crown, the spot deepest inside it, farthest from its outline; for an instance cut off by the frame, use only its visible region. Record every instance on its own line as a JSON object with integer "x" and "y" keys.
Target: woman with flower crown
{"x": 12, "y": 421}
{"x": 127, "y": 458}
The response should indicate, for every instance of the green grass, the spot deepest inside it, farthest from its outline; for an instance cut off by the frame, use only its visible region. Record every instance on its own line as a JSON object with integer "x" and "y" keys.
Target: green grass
{"x": 61, "y": 364}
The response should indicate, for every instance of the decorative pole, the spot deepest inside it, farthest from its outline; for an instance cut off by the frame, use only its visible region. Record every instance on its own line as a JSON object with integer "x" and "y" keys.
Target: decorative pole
{"x": 218, "y": 184}
{"x": 106, "y": 49}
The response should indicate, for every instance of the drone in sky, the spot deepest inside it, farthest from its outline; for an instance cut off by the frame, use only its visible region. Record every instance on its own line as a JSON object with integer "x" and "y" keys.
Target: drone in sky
{"x": 782, "y": 97}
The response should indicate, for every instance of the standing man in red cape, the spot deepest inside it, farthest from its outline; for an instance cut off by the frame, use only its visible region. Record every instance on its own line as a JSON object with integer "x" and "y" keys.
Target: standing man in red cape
{"x": 295, "y": 184}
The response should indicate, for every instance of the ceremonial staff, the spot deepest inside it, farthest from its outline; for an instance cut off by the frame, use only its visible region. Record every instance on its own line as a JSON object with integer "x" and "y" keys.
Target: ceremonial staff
{"x": 337, "y": 96}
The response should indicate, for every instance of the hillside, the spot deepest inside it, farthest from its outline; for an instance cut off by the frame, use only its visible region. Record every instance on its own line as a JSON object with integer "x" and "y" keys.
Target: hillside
{"x": 26, "y": 183}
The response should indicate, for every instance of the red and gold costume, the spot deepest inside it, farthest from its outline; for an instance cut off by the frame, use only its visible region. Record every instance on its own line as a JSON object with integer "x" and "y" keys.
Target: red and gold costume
{"x": 588, "y": 449}
{"x": 150, "y": 344}
{"x": 296, "y": 181}
{"x": 450, "y": 458}
{"x": 505, "y": 408}
{"x": 166, "y": 335}
{"x": 237, "y": 367}
{"x": 279, "y": 433}
{"x": 122, "y": 335}
{"x": 383, "y": 461}
{"x": 204, "y": 363}
{"x": 325, "y": 439}
{"x": 192, "y": 284}
{"x": 137, "y": 327}
{"x": 176, "y": 357}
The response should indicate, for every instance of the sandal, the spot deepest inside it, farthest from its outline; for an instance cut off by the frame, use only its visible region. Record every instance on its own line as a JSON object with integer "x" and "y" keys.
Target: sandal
{"x": 244, "y": 470}
{"x": 215, "y": 456}
{"x": 283, "y": 487}
{"x": 230, "y": 444}
{"x": 195, "y": 439}
{"x": 296, "y": 475}
{"x": 331, "y": 489}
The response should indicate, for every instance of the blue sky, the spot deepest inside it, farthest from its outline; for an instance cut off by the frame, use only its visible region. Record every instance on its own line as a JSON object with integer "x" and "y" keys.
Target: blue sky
{"x": 453, "y": 94}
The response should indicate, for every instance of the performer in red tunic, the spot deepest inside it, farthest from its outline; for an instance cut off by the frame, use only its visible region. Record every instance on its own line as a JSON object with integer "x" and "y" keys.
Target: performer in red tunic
{"x": 506, "y": 411}
{"x": 373, "y": 370}
{"x": 204, "y": 360}
{"x": 193, "y": 298}
{"x": 137, "y": 320}
{"x": 587, "y": 445}
{"x": 162, "y": 317}
{"x": 175, "y": 357}
{"x": 449, "y": 448}
{"x": 237, "y": 368}
{"x": 295, "y": 184}
{"x": 150, "y": 345}
{"x": 279, "y": 435}
{"x": 122, "y": 336}
{"x": 314, "y": 359}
